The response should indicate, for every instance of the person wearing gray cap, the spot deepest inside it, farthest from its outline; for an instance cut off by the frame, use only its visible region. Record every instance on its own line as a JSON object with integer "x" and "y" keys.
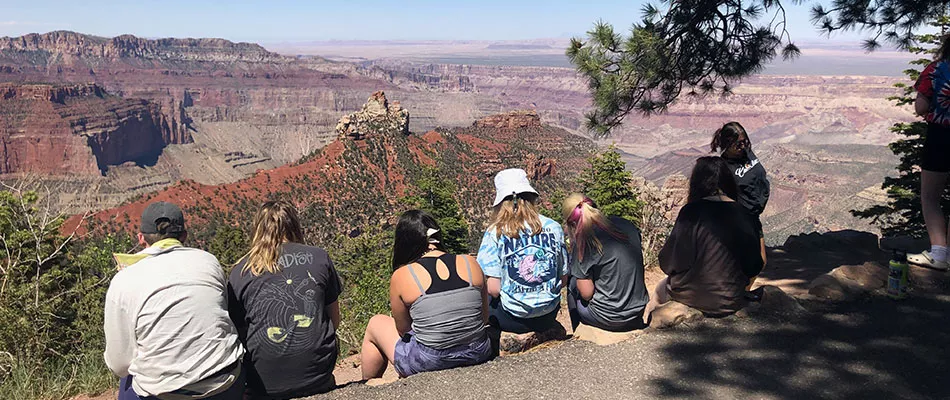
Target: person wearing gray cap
{"x": 524, "y": 259}
{"x": 168, "y": 333}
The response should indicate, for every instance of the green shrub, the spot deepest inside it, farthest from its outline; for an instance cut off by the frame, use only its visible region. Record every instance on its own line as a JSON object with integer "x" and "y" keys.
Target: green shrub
{"x": 51, "y": 301}
{"x": 364, "y": 265}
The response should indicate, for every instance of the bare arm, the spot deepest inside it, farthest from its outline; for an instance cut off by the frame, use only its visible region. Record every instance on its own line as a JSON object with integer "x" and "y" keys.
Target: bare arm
{"x": 585, "y": 287}
{"x": 494, "y": 286}
{"x": 334, "y": 310}
{"x": 398, "y": 307}
{"x": 922, "y": 105}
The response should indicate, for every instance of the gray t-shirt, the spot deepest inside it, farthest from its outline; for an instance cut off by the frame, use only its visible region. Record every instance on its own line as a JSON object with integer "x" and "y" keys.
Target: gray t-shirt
{"x": 283, "y": 321}
{"x": 620, "y": 294}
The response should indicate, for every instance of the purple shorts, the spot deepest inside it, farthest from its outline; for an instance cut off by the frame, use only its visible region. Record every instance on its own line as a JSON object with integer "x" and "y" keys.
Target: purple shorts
{"x": 413, "y": 357}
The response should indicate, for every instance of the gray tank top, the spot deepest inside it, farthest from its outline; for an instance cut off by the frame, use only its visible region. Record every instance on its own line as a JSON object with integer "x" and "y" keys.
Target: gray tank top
{"x": 449, "y": 314}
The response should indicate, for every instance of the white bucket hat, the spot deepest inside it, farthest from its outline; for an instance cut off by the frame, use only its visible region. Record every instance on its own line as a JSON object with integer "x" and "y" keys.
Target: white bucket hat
{"x": 511, "y": 181}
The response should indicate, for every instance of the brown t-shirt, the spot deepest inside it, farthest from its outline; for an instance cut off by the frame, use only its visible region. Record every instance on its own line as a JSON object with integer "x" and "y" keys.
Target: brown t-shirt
{"x": 710, "y": 256}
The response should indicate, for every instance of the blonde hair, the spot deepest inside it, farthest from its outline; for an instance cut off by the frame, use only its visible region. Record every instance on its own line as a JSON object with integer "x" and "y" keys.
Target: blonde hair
{"x": 511, "y": 215}
{"x": 581, "y": 216}
{"x": 275, "y": 223}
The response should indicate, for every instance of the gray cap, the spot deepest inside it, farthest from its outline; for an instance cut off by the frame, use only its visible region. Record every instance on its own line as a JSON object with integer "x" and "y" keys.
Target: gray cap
{"x": 161, "y": 210}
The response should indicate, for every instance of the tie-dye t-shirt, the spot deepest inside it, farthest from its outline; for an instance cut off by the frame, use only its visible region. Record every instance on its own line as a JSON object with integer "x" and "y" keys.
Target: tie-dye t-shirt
{"x": 530, "y": 268}
{"x": 934, "y": 83}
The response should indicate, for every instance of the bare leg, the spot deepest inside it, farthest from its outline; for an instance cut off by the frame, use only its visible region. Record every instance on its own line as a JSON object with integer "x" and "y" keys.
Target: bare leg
{"x": 661, "y": 295}
{"x": 379, "y": 346}
{"x": 764, "y": 262}
{"x": 932, "y": 187}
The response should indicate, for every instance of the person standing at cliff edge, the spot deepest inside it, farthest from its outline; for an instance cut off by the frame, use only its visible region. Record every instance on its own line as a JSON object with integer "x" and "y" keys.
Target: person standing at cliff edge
{"x": 732, "y": 141}
{"x": 168, "y": 334}
{"x": 933, "y": 103}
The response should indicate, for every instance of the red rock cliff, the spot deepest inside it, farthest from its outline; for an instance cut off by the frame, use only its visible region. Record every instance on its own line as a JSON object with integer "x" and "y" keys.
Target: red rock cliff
{"x": 81, "y": 129}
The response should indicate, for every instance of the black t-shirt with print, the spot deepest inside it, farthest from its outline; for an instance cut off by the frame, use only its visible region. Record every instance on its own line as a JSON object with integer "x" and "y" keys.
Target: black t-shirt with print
{"x": 284, "y": 323}
{"x": 752, "y": 181}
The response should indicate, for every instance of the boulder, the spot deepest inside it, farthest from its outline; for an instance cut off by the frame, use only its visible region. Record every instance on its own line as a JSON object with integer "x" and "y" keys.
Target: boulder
{"x": 834, "y": 288}
{"x": 774, "y": 302}
{"x": 849, "y": 282}
{"x": 871, "y": 276}
{"x": 602, "y": 337}
{"x": 512, "y": 343}
{"x": 672, "y": 314}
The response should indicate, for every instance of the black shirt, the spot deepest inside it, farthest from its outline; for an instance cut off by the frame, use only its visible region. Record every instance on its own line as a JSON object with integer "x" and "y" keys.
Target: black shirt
{"x": 752, "y": 181}
{"x": 282, "y": 320}
{"x": 710, "y": 256}
{"x": 620, "y": 294}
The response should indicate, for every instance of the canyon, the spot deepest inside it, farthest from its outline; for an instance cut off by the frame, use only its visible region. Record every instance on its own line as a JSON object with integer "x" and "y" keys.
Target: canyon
{"x": 212, "y": 112}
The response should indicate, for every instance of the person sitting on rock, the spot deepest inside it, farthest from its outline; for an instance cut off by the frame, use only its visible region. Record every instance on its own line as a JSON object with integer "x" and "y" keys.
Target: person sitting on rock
{"x": 734, "y": 146}
{"x": 606, "y": 288}
{"x": 283, "y": 300}
{"x": 438, "y": 303}
{"x": 933, "y": 103}
{"x": 523, "y": 255}
{"x": 167, "y": 329}
{"x": 713, "y": 249}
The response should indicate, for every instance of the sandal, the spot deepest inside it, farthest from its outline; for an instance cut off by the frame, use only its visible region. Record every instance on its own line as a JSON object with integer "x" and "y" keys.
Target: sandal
{"x": 924, "y": 259}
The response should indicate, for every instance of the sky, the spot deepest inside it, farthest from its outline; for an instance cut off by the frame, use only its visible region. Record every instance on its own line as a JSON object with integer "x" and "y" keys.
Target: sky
{"x": 318, "y": 20}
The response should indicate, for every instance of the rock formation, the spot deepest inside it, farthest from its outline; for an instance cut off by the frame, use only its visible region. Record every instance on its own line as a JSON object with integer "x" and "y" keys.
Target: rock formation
{"x": 80, "y": 129}
{"x": 522, "y": 119}
{"x": 377, "y": 115}
{"x": 538, "y": 167}
{"x": 64, "y": 45}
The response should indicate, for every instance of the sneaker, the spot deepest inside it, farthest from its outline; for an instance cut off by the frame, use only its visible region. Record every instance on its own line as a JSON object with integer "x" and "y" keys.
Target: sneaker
{"x": 924, "y": 259}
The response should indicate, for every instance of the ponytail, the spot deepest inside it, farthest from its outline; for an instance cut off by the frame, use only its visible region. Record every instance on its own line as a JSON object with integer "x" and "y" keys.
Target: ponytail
{"x": 581, "y": 217}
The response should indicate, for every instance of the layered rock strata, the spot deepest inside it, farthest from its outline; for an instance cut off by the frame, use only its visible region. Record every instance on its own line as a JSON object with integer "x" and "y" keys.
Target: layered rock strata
{"x": 80, "y": 129}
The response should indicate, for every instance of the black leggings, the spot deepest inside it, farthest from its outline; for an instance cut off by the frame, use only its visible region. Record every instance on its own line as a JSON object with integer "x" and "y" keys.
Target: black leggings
{"x": 503, "y": 320}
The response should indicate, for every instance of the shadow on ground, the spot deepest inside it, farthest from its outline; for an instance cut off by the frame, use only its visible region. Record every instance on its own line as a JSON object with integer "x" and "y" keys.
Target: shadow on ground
{"x": 805, "y": 257}
{"x": 872, "y": 348}
{"x": 876, "y": 348}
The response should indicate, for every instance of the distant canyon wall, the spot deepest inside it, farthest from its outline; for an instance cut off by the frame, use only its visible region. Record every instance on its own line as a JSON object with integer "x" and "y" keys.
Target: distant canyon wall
{"x": 81, "y": 129}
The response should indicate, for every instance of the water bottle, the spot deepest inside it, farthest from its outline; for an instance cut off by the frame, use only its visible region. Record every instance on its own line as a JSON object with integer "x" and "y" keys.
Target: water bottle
{"x": 897, "y": 278}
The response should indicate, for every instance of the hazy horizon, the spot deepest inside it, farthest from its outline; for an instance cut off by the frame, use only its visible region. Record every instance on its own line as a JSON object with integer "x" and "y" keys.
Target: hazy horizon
{"x": 297, "y": 21}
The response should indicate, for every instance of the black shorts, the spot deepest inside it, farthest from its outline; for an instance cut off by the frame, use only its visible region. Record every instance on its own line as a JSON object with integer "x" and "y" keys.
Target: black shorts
{"x": 936, "y": 157}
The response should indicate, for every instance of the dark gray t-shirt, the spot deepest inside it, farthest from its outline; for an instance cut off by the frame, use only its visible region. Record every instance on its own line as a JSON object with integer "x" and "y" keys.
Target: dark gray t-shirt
{"x": 283, "y": 322}
{"x": 620, "y": 294}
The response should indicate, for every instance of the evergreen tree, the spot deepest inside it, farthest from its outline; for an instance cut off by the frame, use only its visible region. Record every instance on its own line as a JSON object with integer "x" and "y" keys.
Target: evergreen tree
{"x": 705, "y": 46}
{"x": 365, "y": 266}
{"x": 435, "y": 194}
{"x": 609, "y": 184}
{"x": 902, "y": 214}
{"x": 229, "y": 245}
